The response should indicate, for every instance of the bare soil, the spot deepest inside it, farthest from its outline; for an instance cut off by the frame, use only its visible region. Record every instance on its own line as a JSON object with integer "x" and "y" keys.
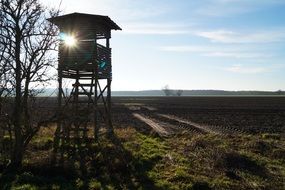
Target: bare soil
{"x": 218, "y": 115}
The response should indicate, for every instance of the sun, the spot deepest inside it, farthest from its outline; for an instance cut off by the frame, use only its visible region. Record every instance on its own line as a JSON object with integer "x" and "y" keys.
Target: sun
{"x": 70, "y": 41}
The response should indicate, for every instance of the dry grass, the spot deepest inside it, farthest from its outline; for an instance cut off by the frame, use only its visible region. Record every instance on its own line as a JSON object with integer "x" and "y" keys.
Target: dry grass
{"x": 140, "y": 161}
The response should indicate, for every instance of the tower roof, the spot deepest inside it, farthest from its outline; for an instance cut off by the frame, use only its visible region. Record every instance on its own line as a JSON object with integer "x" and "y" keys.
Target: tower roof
{"x": 78, "y": 17}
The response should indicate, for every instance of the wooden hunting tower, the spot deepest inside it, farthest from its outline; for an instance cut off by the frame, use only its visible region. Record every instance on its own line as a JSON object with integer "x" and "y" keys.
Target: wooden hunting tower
{"x": 85, "y": 59}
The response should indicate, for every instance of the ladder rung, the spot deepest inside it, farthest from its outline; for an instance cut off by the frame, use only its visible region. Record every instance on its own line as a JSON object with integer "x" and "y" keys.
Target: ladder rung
{"x": 83, "y": 93}
{"x": 85, "y": 78}
{"x": 80, "y": 84}
{"x": 82, "y": 101}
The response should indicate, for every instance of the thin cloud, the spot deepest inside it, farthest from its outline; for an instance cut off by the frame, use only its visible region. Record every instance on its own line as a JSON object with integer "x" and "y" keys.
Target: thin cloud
{"x": 225, "y": 8}
{"x": 246, "y": 70}
{"x": 219, "y": 51}
{"x": 121, "y": 10}
{"x": 155, "y": 29}
{"x": 226, "y": 36}
{"x": 185, "y": 49}
{"x": 238, "y": 55}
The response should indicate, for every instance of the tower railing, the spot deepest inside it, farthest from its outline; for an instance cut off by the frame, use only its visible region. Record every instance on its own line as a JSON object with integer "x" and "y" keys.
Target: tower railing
{"x": 83, "y": 58}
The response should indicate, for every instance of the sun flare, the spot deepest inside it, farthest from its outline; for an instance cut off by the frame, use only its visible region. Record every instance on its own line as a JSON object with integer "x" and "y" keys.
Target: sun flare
{"x": 70, "y": 41}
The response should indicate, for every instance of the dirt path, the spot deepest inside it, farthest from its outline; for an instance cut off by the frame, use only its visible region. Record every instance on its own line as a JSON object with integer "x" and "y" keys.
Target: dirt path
{"x": 136, "y": 107}
{"x": 201, "y": 127}
{"x": 149, "y": 108}
{"x": 167, "y": 127}
{"x": 206, "y": 128}
{"x": 156, "y": 126}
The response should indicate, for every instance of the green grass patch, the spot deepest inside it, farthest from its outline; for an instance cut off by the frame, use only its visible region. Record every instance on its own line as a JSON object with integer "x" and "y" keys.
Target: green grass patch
{"x": 138, "y": 161}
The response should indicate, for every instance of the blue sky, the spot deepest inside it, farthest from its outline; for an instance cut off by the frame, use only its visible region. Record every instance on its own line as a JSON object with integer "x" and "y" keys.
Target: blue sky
{"x": 190, "y": 44}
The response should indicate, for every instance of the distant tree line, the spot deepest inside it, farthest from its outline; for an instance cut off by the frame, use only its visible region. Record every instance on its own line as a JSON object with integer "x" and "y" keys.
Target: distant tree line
{"x": 169, "y": 92}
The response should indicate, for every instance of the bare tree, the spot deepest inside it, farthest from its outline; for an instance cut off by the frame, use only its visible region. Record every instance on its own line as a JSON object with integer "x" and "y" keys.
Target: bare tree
{"x": 179, "y": 92}
{"x": 5, "y": 70}
{"x": 166, "y": 90}
{"x": 27, "y": 41}
{"x": 5, "y": 75}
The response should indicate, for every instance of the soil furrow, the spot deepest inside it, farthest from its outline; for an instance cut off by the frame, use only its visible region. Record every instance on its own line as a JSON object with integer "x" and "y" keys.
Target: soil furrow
{"x": 201, "y": 127}
{"x": 156, "y": 126}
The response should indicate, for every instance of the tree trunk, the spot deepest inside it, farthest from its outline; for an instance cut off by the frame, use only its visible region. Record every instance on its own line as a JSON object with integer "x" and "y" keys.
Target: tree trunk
{"x": 16, "y": 159}
{"x": 25, "y": 108}
{"x": 17, "y": 155}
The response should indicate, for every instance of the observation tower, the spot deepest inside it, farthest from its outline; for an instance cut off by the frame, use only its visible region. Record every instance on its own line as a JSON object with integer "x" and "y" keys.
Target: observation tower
{"x": 84, "y": 60}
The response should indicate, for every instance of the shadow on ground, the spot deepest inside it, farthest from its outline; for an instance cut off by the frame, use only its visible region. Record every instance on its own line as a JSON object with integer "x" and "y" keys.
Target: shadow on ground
{"x": 106, "y": 165}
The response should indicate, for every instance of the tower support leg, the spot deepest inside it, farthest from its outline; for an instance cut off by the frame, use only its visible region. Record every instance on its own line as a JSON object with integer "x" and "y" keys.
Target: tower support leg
{"x": 109, "y": 107}
{"x": 59, "y": 119}
{"x": 96, "y": 123}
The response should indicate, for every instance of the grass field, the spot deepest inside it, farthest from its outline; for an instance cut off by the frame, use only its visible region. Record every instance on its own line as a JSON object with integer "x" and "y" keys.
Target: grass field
{"x": 171, "y": 143}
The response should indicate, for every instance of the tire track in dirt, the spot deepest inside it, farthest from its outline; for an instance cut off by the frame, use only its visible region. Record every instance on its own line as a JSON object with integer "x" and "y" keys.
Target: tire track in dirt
{"x": 165, "y": 124}
{"x": 153, "y": 120}
{"x": 181, "y": 126}
{"x": 149, "y": 108}
{"x": 156, "y": 126}
{"x": 160, "y": 125}
{"x": 206, "y": 128}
